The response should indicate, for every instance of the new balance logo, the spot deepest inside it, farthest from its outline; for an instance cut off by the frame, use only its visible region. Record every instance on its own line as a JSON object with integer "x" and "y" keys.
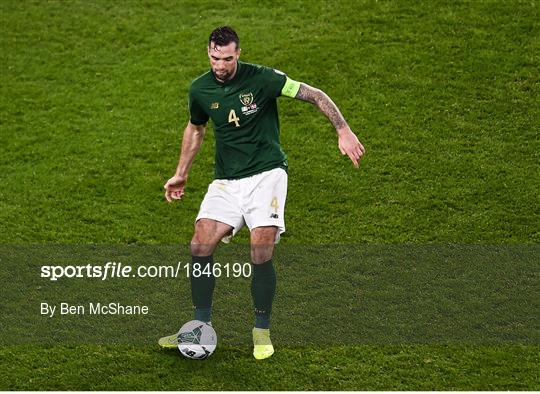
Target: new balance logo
{"x": 274, "y": 216}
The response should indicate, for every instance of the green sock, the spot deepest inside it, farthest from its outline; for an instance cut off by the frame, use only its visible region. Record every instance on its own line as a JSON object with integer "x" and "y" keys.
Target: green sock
{"x": 202, "y": 287}
{"x": 263, "y": 289}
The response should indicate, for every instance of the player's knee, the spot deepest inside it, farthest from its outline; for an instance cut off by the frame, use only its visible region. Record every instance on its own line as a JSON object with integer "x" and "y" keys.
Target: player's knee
{"x": 200, "y": 245}
{"x": 200, "y": 249}
{"x": 262, "y": 244}
{"x": 204, "y": 239}
{"x": 261, "y": 253}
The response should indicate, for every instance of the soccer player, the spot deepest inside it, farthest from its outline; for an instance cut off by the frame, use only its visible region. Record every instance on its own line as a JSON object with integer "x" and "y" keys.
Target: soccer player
{"x": 250, "y": 183}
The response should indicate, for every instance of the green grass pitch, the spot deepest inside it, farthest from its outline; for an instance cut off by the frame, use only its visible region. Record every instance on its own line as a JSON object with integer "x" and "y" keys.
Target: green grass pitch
{"x": 443, "y": 94}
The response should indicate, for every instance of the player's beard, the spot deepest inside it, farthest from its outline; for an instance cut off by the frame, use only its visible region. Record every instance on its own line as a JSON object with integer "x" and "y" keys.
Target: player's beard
{"x": 224, "y": 76}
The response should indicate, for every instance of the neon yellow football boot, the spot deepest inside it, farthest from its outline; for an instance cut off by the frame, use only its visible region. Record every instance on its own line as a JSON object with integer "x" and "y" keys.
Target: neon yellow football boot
{"x": 169, "y": 342}
{"x": 262, "y": 345}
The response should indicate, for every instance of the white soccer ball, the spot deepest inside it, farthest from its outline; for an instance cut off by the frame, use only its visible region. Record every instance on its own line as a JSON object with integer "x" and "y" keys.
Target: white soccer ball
{"x": 197, "y": 340}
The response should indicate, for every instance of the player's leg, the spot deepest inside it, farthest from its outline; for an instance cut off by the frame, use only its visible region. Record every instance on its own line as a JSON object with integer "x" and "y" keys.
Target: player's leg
{"x": 262, "y": 240}
{"x": 263, "y": 284}
{"x": 266, "y": 222}
{"x": 265, "y": 219}
{"x": 207, "y": 235}
{"x": 219, "y": 216}
{"x": 263, "y": 287}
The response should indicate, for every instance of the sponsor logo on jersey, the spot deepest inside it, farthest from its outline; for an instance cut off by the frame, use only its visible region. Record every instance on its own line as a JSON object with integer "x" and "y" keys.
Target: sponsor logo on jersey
{"x": 214, "y": 106}
{"x": 249, "y": 106}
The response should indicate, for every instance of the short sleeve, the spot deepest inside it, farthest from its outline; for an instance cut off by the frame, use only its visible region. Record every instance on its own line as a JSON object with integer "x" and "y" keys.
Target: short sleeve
{"x": 274, "y": 81}
{"x": 197, "y": 115}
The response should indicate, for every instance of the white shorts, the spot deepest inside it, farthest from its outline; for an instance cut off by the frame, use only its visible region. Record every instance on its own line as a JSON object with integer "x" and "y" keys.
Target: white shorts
{"x": 255, "y": 201}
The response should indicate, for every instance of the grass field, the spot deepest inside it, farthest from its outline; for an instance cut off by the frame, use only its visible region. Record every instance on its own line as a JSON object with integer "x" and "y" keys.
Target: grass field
{"x": 444, "y": 96}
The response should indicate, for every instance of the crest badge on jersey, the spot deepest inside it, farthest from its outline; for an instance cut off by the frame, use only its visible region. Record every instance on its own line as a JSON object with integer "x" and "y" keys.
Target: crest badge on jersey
{"x": 246, "y": 98}
{"x": 249, "y": 106}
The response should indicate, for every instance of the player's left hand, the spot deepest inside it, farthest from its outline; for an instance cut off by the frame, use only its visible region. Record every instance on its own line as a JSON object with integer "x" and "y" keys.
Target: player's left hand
{"x": 350, "y": 145}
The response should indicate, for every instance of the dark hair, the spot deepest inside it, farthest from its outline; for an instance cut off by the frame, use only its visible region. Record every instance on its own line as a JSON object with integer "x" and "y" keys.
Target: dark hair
{"x": 223, "y": 36}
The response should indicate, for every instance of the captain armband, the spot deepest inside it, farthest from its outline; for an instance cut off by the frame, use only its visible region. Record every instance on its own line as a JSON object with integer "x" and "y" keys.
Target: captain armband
{"x": 290, "y": 89}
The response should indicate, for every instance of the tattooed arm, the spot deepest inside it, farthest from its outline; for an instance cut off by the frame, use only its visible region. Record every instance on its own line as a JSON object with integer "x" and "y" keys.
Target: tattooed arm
{"x": 347, "y": 140}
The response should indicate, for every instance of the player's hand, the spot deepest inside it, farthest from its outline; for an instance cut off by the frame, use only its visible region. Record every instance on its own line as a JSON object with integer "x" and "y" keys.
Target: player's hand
{"x": 350, "y": 145}
{"x": 174, "y": 188}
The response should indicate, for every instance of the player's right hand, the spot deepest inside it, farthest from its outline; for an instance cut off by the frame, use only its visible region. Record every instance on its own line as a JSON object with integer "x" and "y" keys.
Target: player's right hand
{"x": 174, "y": 188}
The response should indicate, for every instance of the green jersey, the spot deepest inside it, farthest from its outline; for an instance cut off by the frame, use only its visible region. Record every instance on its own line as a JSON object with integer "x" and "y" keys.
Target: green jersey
{"x": 245, "y": 117}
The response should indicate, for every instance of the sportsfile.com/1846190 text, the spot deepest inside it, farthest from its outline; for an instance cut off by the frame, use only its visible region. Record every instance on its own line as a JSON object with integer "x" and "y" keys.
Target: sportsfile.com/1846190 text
{"x": 117, "y": 270}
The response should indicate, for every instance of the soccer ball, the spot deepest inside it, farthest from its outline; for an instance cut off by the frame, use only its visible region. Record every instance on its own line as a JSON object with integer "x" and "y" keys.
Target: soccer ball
{"x": 197, "y": 340}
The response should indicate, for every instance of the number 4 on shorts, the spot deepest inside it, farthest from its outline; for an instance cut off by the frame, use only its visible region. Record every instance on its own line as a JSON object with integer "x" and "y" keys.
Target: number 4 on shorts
{"x": 274, "y": 204}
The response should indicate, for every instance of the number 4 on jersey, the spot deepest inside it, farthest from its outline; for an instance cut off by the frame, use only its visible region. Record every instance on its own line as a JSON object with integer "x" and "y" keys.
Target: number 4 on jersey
{"x": 234, "y": 118}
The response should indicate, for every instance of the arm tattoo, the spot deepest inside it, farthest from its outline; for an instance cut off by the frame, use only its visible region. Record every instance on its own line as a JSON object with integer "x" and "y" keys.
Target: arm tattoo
{"x": 323, "y": 102}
